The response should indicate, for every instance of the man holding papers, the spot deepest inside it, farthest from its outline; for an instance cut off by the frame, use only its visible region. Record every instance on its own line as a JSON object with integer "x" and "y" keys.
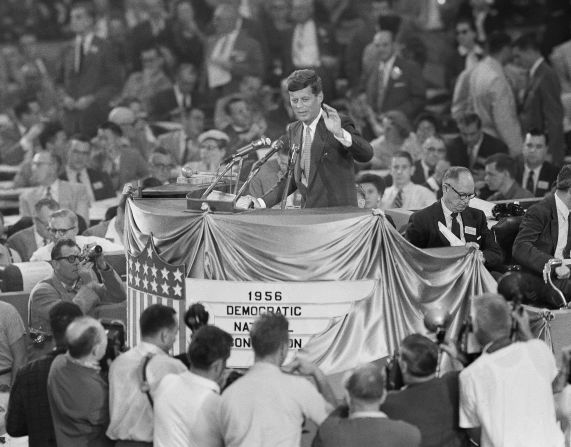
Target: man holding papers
{"x": 451, "y": 222}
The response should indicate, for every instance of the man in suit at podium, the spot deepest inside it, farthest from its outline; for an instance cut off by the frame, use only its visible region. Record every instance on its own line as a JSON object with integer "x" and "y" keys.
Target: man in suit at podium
{"x": 328, "y": 143}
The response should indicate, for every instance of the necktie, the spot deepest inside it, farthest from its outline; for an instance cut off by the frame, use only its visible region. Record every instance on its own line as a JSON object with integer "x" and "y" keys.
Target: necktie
{"x": 530, "y": 184}
{"x": 381, "y": 86}
{"x": 397, "y": 203}
{"x": 430, "y": 172}
{"x": 48, "y": 193}
{"x": 568, "y": 244}
{"x": 305, "y": 155}
{"x": 78, "y": 177}
{"x": 78, "y": 55}
{"x": 455, "y": 225}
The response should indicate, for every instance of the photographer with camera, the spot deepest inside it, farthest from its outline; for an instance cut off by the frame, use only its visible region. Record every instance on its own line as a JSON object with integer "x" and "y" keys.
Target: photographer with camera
{"x": 88, "y": 281}
{"x": 506, "y": 394}
{"x": 428, "y": 402}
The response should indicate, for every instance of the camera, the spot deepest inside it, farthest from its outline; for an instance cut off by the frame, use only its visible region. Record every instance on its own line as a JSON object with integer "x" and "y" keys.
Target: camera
{"x": 92, "y": 253}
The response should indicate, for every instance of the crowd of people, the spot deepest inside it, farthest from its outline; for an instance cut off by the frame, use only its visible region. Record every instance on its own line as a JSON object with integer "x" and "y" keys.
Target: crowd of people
{"x": 419, "y": 105}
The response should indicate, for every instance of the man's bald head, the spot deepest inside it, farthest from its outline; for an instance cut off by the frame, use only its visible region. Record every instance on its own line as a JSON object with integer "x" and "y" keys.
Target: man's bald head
{"x": 86, "y": 339}
{"x": 367, "y": 383}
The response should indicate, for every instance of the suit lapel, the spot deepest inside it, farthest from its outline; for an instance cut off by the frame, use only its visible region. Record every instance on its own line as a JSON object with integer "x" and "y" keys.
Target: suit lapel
{"x": 317, "y": 147}
{"x": 467, "y": 221}
{"x": 438, "y": 216}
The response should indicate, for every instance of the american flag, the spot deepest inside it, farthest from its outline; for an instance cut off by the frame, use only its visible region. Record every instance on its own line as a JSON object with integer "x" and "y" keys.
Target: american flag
{"x": 150, "y": 280}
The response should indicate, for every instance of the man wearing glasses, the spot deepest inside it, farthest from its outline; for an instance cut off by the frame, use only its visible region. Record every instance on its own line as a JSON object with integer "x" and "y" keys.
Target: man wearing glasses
{"x": 469, "y": 225}
{"x": 63, "y": 225}
{"x": 429, "y": 170}
{"x": 73, "y": 279}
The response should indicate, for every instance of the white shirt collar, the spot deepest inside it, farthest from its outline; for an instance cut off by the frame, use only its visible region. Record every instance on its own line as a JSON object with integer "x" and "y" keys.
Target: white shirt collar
{"x": 562, "y": 209}
{"x": 313, "y": 125}
{"x": 445, "y": 209}
{"x": 87, "y": 39}
{"x": 535, "y": 66}
{"x": 367, "y": 414}
{"x": 207, "y": 383}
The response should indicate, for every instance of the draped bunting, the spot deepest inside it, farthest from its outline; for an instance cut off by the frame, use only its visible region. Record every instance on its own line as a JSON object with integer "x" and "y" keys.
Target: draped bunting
{"x": 319, "y": 245}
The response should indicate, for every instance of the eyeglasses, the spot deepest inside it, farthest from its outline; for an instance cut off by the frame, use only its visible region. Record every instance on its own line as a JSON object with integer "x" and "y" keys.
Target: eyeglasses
{"x": 60, "y": 230}
{"x": 72, "y": 259}
{"x": 440, "y": 150}
{"x": 462, "y": 195}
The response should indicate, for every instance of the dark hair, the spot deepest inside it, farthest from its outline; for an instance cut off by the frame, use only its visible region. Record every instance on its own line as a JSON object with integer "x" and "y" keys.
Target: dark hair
{"x": 504, "y": 163}
{"x": 390, "y": 23}
{"x": 45, "y": 201}
{"x": 535, "y": 132}
{"x": 22, "y": 108}
{"x": 155, "y": 318}
{"x": 84, "y": 344}
{"x": 269, "y": 333}
{"x": 87, "y": 6}
{"x": 49, "y": 133}
{"x": 427, "y": 116}
{"x": 56, "y": 249}
{"x": 467, "y": 119}
{"x": 366, "y": 383}
{"x": 61, "y": 315}
{"x": 420, "y": 354}
{"x": 233, "y": 100}
{"x": 564, "y": 178}
{"x": 114, "y": 128}
{"x": 207, "y": 345}
{"x": 196, "y": 316}
{"x": 466, "y": 20}
{"x": 301, "y": 79}
{"x": 527, "y": 41}
{"x": 376, "y": 180}
{"x": 403, "y": 154}
{"x": 497, "y": 41}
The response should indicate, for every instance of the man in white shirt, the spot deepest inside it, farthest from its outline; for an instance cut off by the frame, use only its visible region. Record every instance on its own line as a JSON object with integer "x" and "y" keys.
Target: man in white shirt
{"x": 403, "y": 193}
{"x": 506, "y": 397}
{"x": 267, "y": 406}
{"x": 187, "y": 404}
{"x": 63, "y": 225}
{"x": 135, "y": 375}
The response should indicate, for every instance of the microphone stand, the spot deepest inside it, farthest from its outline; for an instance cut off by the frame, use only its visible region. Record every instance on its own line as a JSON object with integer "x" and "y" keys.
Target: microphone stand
{"x": 290, "y": 167}
{"x": 219, "y": 176}
{"x": 255, "y": 169}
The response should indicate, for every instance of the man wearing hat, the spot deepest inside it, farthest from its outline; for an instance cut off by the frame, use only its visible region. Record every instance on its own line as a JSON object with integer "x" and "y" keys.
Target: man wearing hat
{"x": 544, "y": 234}
{"x": 212, "y": 146}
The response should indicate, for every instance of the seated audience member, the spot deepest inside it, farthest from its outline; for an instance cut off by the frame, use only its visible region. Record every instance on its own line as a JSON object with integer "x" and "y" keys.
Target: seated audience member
{"x": 77, "y": 392}
{"x": 17, "y": 141}
{"x": 8, "y": 255}
{"x": 12, "y": 347}
{"x": 543, "y": 235}
{"x": 28, "y": 240}
{"x": 268, "y": 404}
{"x": 212, "y": 144}
{"x": 403, "y": 193}
{"x": 116, "y": 157}
{"x": 270, "y": 173}
{"x": 73, "y": 279}
{"x": 473, "y": 146}
{"x": 363, "y": 115}
{"x": 242, "y": 128}
{"x": 29, "y": 410}
{"x": 362, "y": 423}
{"x": 45, "y": 169}
{"x": 500, "y": 179}
{"x": 53, "y": 139}
{"x": 98, "y": 184}
{"x": 466, "y": 223}
{"x": 183, "y": 143}
{"x": 533, "y": 171}
{"x": 63, "y": 224}
{"x": 397, "y": 136}
{"x": 251, "y": 90}
{"x": 134, "y": 129}
{"x": 373, "y": 187}
{"x": 541, "y": 106}
{"x": 131, "y": 407}
{"x": 506, "y": 396}
{"x": 429, "y": 170}
{"x": 427, "y": 401}
{"x": 187, "y": 404}
{"x": 161, "y": 166}
{"x": 426, "y": 125}
{"x": 111, "y": 230}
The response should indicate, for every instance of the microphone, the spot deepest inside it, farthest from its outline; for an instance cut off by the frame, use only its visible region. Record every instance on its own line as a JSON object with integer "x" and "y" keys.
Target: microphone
{"x": 245, "y": 150}
{"x": 276, "y": 146}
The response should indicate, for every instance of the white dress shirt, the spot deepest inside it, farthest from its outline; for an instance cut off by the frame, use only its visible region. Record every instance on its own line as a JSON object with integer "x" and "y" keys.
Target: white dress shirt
{"x": 563, "y": 226}
{"x": 83, "y": 179}
{"x": 448, "y": 219}
{"x": 305, "y": 47}
{"x": 414, "y": 197}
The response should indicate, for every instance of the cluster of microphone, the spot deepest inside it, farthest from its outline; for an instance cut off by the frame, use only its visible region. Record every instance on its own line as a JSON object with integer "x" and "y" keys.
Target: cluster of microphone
{"x": 260, "y": 143}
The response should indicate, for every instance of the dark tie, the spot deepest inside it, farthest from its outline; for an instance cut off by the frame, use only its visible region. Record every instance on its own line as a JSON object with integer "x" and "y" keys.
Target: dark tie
{"x": 530, "y": 183}
{"x": 48, "y": 193}
{"x": 430, "y": 172}
{"x": 78, "y": 177}
{"x": 397, "y": 203}
{"x": 79, "y": 55}
{"x": 455, "y": 225}
{"x": 568, "y": 244}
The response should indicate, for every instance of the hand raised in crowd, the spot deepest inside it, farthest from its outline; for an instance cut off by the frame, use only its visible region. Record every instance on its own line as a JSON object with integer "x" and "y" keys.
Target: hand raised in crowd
{"x": 300, "y": 366}
{"x": 332, "y": 120}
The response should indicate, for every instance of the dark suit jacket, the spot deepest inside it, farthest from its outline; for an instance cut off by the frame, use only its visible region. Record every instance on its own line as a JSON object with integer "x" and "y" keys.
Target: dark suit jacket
{"x": 547, "y": 177}
{"x": 457, "y": 151}
{"x": 431, "y": 406}
{"x": 542, "y": 109}
{"x": 99, "y": 76}
{"x": 163, "y": 104}
{"x": 422, "y": 231}
{"x": 101, "y": 183}
{"x": 405, "y": 90}
{"x": 331, "y": 174}
{"x": 24, "y": 242}
{"x": 536, "y": 241}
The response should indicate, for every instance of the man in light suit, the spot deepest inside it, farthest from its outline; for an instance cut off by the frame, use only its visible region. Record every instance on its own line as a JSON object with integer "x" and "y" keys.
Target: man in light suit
{"x": 492, "y": 97}
{"x": 45, "y": 168}
{"x": 324, "y": 171}
{"x": 541, "y": 107}
{"x": 90, "y": 75}
{"x": 183, "y": 143}
{"x": 391, "y": 82}
{"x": 467, "y": 224}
